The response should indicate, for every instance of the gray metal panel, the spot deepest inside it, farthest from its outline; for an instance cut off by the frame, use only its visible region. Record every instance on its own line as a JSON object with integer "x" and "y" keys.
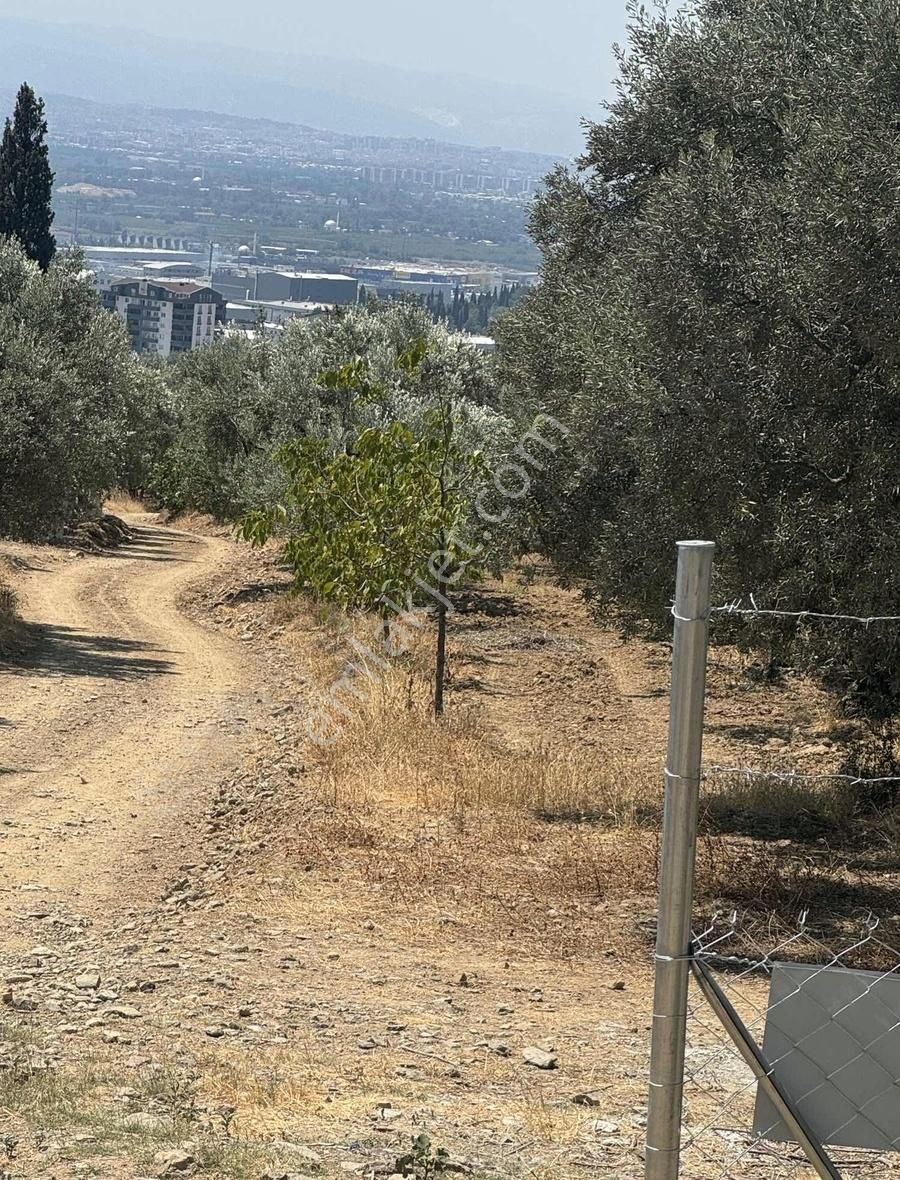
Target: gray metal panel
{"x": 833, "y": 1041}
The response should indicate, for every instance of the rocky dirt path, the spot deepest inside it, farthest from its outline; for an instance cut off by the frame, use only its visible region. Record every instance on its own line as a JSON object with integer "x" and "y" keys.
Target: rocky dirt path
{"x": 119, "y": 721}
{"x": 203, "y": 973}
{"x": 171, "y": 1008}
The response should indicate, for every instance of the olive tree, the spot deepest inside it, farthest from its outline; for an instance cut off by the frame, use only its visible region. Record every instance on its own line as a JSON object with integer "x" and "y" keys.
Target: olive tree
{"x": 78, "y": 413}
{"x": 716, "y": 324}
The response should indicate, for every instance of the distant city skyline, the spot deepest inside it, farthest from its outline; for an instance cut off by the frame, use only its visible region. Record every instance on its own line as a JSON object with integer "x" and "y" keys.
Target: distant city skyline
{"x": 565, "y": 47}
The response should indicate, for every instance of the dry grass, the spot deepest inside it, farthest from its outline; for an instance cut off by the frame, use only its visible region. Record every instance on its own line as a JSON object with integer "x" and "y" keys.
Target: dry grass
{"x": 549, "y": 841}
{"x": 121, "y": 501}
{"x": 88, "y": 1107}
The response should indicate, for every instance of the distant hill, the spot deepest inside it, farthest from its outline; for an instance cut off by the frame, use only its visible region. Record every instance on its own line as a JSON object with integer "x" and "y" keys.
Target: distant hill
{"x": 358, "y": 98}
{"x": 69, "y": 117}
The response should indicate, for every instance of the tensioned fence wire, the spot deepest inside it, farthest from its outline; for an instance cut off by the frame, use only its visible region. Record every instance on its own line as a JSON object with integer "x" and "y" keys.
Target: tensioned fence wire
{"x": 726, "y": 1132}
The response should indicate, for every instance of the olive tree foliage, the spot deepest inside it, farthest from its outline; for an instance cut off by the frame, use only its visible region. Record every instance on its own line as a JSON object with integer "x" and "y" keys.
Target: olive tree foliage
{"x": 225, "y": 415}
{"x": 78, "y": 414}
{"x": 717, "y": 324}
{"x": 239, "y": 401}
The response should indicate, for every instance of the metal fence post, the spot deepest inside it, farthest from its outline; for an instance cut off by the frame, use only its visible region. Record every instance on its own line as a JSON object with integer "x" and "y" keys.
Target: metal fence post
{"x": 679, "y": 842}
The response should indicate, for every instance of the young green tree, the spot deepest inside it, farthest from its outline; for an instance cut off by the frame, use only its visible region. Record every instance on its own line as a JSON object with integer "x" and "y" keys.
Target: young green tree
{"x": 380, "y": 522}
{"x": 26, "y": 181}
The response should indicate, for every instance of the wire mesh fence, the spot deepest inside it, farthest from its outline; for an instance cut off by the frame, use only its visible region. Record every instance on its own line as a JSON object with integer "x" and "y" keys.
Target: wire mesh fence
{"x": 826, "y": 1017}
{"x": 776, "y": 1050}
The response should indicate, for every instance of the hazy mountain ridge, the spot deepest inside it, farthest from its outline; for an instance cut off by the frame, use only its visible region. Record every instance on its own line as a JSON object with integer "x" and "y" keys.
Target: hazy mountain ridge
{"x": 357, "y": 98}
{"x": 68, "y": 115}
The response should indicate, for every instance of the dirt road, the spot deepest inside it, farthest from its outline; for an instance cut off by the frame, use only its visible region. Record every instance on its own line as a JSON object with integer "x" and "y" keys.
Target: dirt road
{"x": 223, "y": 956}
{"x": 120, "y": 721}
{"x": 158, "y": 971}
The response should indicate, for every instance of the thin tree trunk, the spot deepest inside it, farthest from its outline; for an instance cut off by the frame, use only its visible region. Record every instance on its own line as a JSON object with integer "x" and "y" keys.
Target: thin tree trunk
{"x": 440, "y": 663}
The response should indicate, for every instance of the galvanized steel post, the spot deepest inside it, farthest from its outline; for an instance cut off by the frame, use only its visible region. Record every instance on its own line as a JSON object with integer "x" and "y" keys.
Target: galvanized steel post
{"x": 679, "y": 843}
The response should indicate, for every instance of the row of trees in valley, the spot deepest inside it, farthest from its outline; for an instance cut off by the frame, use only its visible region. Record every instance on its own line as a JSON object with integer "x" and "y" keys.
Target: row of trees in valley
{"x": 463, "y": 311}
{"x": 471, "y": 313}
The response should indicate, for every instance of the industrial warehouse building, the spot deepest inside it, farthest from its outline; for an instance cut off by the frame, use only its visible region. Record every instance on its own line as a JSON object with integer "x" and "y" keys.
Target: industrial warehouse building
{"x": 288, "y": 286}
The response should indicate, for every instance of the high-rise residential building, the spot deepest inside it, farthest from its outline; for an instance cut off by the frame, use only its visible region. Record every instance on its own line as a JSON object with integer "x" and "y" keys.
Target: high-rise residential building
{"x": 166, "y": 317}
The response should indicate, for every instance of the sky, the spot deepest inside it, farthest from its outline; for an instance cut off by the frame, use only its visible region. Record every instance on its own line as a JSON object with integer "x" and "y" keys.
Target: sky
{"x": 562, "y": 45}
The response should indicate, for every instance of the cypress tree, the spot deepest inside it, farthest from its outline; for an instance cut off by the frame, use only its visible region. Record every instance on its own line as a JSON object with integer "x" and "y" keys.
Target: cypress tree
{"x": 26, "y": 181}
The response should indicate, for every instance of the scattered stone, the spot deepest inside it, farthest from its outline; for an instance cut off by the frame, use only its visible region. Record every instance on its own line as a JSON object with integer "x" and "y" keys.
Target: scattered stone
{"x": 604, "y": 1127}
{"x": 412, "y": 1073}
{"x": 19, "y": 1004}
{"x": 115, "y": 1038}
{"x": 124, "y": 1012}
{"x": 500, "y": 1048}
{"x": 589, "y": 1099}
{"x": 89, "y": 982}
{"x": 301, "y": 1152}
{"x": 539, "y": 1058}
{"x": 173, "y": 1163}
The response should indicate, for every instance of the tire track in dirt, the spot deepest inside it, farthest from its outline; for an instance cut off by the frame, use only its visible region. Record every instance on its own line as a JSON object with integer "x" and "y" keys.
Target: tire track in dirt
{"x": 118, "y": 723}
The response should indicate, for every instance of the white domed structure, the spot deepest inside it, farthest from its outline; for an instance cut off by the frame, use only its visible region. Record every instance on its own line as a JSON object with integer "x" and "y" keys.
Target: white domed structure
{"x": 244, "y": 251}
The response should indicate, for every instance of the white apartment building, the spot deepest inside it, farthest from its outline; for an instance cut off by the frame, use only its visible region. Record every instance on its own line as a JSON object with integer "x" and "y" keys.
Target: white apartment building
{"x": 166, "y": 316}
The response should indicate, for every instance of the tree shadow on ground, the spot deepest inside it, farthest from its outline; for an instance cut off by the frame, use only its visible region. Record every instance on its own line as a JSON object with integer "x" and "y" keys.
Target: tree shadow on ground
{"x": 753, "y": 733}
{"x": 151, "y": 545}
{"x": 51, "y": 649}
{"x": 488, "y": 602}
